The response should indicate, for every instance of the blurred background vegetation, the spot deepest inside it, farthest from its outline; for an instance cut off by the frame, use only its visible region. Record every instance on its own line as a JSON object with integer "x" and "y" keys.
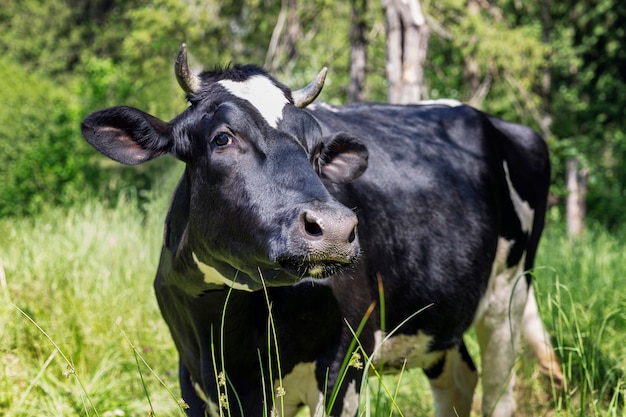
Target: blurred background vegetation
{"x": 559, "y": 67}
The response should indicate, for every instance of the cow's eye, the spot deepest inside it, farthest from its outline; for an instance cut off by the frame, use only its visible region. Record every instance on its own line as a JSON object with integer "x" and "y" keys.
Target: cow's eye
{"x": 222, "y": 139}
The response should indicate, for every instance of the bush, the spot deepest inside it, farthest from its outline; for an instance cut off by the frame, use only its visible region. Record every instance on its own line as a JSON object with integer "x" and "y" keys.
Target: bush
{"x": 43, "y": 159}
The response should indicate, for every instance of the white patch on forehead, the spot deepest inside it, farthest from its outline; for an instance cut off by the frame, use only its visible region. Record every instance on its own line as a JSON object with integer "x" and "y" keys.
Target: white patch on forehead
{"x": 415, "y": 349}
{"x": 522, "y": 208}
{"x": 450, "y": 102}
{"x": 211, "y": 276}
{"x": 268, "y": 99}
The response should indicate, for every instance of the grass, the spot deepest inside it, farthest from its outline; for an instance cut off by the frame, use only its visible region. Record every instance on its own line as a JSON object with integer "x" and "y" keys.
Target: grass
{"x": 79, "y": 318}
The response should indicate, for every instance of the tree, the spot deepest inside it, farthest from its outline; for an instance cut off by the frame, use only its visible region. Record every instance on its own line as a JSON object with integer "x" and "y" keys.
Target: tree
{"x": 588, "y": 98}
{"x": 358, "y": 52}
{"x": 575, "y": 205}
{"x": 42, "y": 161}
{"x": 556, "y": 66}
{"x": 407, "y": 44}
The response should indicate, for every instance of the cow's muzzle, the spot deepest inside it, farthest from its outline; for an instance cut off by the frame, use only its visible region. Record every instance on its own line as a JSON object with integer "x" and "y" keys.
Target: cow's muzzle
{"x": 329, "y": 242}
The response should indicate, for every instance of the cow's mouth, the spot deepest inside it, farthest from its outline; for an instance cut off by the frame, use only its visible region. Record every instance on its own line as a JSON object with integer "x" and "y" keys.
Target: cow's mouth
{"x": 303, "y": 268}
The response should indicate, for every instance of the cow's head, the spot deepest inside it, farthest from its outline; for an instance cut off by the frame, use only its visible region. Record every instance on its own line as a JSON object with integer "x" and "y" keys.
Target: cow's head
{"x": 255, "y": 164}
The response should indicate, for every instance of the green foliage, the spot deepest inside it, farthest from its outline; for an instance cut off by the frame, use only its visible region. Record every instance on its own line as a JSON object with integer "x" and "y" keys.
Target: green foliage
{"x": 509, "y": 59}
{"x": 37, "y": 34}
{"x": 43, "y": 160}
{"x": 109, "y": 52}
{"x": 590, "y": 96}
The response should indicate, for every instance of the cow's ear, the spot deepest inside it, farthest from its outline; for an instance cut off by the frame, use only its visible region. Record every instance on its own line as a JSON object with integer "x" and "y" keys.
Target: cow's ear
{"x": 127, "y": 135}
{"x": 341, "y": 158}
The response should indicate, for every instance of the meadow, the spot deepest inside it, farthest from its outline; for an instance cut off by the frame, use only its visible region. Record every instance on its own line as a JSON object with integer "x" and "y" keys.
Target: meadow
{"x": 81, "y": 333}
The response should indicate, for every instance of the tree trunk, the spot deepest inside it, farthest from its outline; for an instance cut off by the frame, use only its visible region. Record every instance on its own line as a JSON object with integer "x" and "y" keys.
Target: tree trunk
{"x": 546, "y": 81}
{"x": 471, "y": 69}
{"x": 358, "y": 52}
{"x": 407, "y": 44}
{"x": 575, "y": 204}
{"x": 294, "y": 30}
{"x": 285, "y": 36}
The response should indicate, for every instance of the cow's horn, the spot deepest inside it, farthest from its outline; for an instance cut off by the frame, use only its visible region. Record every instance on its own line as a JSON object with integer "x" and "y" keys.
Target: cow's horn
{"x": 189, "y": 81}
{"x": 306, "y": 95}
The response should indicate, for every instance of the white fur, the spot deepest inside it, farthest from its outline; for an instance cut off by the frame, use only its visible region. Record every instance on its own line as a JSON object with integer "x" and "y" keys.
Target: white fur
{"x": 211, "y": 276}
{"x": 398, "y": 348}
{"x": 268, "y": 99}
{"x": 453, "y": 390}
{"x": 500, "y": 316}
{"x": 522, "y": 208}
{"x": 214, "y": 409}
{"x": 300, "y": 387}
{"x": 322, "y": 105}
{"x": 350, "y": 401}
{"x": 498, "y": 327}
{"x": 450, "y": 102}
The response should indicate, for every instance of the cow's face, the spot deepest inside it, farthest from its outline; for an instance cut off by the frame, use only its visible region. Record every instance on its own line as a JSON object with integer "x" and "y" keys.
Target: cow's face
{"x": 254, "y": 162}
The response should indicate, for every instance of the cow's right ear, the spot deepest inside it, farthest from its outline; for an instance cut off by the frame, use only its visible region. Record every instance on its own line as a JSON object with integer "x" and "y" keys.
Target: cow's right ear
{"x": 341, "y": 158}
{"x": 127, "y": 135}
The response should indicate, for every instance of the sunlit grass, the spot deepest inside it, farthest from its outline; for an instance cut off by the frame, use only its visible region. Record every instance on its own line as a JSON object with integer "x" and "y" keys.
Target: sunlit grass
{"x": 78, "y": 283}
{"x": 581, "y": 290}
{"x": 81, "y": 275}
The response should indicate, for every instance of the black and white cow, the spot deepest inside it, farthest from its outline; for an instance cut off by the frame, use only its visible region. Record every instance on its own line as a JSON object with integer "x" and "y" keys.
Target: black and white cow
{"x": 450, "y": 205}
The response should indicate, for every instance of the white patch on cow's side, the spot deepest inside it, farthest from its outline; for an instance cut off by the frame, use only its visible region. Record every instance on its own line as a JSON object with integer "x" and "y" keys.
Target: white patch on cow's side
{"x": 212, "y": 276}
{"x": 498, "y": 325}
{"x": 268, "y": 99}
{"x": 450, "y": 102}
{"x": 391, "y": 354}
{"x": 522, "y": 208}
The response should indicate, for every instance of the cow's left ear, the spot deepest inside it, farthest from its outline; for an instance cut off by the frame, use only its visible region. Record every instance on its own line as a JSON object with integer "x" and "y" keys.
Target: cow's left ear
{"x": 127, "y": 135}
{"x": 341, "y": 158}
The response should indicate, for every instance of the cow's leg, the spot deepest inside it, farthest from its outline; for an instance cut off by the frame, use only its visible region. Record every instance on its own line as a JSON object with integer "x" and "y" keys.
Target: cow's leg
{"x": 191, "y": 394}
{"x": 346, "y": 404}
{"x": 452, "y": 381}
{"x": 498, "y": 327}
{"x": 539, "y": 340}
{"x": 301, "y": 388}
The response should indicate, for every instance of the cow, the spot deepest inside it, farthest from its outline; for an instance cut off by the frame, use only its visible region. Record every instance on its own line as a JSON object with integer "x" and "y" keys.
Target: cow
{"x": 268, "y": 286}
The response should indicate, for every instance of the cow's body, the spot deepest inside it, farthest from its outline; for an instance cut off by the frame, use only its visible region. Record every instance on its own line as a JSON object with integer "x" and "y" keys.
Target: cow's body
{"x": 450, "y": 210}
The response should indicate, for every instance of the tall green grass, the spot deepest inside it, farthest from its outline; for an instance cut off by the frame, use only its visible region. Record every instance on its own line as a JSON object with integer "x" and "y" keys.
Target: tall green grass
{"x": 79, "y": 317}
{"x": 84, "y": 276}
{"x": 581, "y": 288}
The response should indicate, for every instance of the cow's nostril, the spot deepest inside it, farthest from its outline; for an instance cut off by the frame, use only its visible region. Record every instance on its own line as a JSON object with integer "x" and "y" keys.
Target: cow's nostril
{"x": 312, "y": 228}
